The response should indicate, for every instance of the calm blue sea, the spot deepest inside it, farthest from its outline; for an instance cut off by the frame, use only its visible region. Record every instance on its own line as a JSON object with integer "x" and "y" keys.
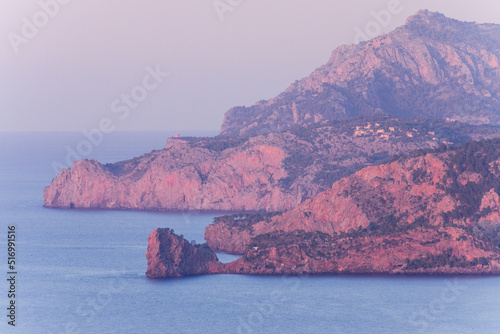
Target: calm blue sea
{"x": 83, "y": 271}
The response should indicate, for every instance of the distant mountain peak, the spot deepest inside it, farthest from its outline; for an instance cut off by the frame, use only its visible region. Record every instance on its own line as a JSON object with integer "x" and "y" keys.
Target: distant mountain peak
{"x": 426, "y": 16}
{"x": 431, "y": 67}
{"x": 437, "y": 26}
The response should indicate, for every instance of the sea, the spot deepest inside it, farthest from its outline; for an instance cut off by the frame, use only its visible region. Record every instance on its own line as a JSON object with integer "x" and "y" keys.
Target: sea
{"x": 83, "y": 271}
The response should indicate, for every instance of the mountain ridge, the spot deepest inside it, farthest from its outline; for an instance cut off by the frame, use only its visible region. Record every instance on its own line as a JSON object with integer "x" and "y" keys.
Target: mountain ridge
{"x": 450, "y": 187}
{"x": 432, "y": 66}
{"x": 436, "y": 213}
{"x": 279, "y": 153}
{"x": 272, "y": 172}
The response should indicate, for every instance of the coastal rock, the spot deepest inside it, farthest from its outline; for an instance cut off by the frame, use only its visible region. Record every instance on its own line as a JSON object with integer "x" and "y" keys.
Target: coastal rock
{"x": 278, "y": 153}
{"x": 419, "y": 251}
{"x": 170, "y": 255}
{"x": 180, "y": 177}
{"x": 273, "y": 172}
{"x": 435, "y": 213}
{"x": 421, "y": 191}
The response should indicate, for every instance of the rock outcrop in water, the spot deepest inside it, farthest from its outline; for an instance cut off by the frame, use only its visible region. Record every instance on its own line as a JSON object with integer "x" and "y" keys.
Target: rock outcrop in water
{"x": 431, "y": 67}
{"x": 415, "y": 251}
{"x": 170, "y": 255}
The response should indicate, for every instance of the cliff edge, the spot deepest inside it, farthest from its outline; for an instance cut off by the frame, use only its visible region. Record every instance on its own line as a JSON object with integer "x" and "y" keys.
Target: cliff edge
{"x": 170, "y": 255}
{"x": 434, "y": 213}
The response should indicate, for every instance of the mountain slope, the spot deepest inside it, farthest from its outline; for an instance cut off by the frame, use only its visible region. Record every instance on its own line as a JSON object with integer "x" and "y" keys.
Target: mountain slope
{"x": 274, "y": 172}
{"x": 456, "y": 188}
{"x": 437, "y": 213}
{"x": 432, "y": 67}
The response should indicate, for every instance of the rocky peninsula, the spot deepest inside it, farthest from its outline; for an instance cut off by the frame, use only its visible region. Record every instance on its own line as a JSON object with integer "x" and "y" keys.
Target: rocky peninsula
{"x": 437, "y": 213}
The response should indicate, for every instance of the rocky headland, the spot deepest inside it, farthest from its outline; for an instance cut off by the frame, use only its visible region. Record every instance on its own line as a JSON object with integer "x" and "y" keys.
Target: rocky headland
{"x": 273, "y": 172}
{"x": 432, "y": 81}
{"x": 437, "y": 213}
{"x": 381, "y": 161}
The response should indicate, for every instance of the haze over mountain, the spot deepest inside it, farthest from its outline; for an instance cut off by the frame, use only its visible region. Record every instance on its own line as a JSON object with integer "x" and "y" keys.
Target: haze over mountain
{"x": 432, "y": 66}
{"x": 272, "y": 172}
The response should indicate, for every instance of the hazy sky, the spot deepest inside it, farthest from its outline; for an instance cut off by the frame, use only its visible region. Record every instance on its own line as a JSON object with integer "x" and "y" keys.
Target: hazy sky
{"x": 83, "y": 60}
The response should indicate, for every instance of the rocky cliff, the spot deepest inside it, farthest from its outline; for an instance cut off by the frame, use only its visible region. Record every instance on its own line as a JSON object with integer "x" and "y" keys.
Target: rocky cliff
{"x": 276, "y": 154}
{"x": 432, "y": 67}
{"x": 434, "y": 213}
{"x": 170, "y": 255}
{"x": 418, "y": 251}
{"x": 271, "y": 172}
{"x": 415, "y": 250}
{"x": 448, "y": 188}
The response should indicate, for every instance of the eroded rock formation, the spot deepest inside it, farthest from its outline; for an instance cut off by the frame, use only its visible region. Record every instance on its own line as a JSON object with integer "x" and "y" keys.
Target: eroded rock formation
{"x": 453, "y": 187}
{"x": 170, "y": 255}
{"x": 436, "y": 213}
{"x": 272, "y": 172}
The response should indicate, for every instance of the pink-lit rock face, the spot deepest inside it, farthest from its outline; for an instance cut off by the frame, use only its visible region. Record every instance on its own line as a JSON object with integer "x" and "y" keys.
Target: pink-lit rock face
{"x": 273, "y": 172}
{"x": 353, "y": 202}
{"x": 178, "y": 178}
{"x": 411, "y": 216}
{"x": 299, "y": 252}
{"x": 432, "y": 66}
{"x": 170, "y": 255}
{"x": 421, "y": 190}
